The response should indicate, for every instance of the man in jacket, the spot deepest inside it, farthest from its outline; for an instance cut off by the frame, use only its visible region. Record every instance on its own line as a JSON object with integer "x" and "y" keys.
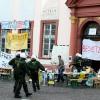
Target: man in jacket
{"x": 60, "y": 69}
{"x": 20, "y": 70}
{"x": 34, "y": 67}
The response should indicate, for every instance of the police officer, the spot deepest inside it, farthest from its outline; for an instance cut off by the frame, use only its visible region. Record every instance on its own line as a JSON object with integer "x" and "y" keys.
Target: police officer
{"x": 20, "y": 70}
{"x": 14, "y": 65}
{"x": 34, "y": 67}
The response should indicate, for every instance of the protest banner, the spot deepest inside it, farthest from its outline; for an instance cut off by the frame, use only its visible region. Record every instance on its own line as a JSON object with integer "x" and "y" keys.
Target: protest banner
{"x": 16, "y": 41}
{"x": 4, "y": 59}
{"x": 91, "y": 49}
{"x": 15, "y": 24}
{"x": 62, "y": 50}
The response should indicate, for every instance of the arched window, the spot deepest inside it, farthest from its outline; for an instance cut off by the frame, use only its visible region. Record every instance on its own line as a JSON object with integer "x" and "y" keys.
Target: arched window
{"x": 91, "y": 31}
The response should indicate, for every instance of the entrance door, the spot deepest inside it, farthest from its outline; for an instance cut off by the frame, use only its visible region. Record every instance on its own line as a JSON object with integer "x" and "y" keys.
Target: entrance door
{"x": 92, "y": 32}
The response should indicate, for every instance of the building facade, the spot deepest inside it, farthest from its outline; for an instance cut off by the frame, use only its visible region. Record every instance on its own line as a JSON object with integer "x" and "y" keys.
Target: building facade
{"x": 46, "y": 26}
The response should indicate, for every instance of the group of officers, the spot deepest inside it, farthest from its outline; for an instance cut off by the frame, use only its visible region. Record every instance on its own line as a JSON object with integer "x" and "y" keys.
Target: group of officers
{"x": 22, "y": 66}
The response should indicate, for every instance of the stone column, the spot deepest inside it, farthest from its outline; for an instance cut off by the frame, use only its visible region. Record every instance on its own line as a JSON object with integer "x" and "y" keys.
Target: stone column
{"x": 73, "y": 36}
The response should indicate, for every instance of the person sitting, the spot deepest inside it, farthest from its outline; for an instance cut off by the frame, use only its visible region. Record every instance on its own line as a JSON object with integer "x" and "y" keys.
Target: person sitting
{"x": 88, "y": 69}
{"x": 91, "y": 75}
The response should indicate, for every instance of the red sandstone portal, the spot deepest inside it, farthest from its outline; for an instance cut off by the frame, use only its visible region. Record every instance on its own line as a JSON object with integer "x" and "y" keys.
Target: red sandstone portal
{"x": 82, "y": 12}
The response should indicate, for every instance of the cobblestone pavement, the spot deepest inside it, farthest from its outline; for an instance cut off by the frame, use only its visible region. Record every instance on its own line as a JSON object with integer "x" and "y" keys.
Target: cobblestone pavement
{"x": 50, "y": 93}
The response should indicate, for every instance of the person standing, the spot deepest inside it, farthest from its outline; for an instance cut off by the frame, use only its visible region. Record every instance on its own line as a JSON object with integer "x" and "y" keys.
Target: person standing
{"x": 20, "y": 70}
{"x": 34, "y": 67}
{"x": 60, "y": 69}
{"x": 13, "y": 63}
{"x": 78, "y": 62}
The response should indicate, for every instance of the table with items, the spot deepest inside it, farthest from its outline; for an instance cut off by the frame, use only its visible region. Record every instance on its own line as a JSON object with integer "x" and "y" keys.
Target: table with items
{"x": 5, "y": 72}
{"x": 76, "y": 79}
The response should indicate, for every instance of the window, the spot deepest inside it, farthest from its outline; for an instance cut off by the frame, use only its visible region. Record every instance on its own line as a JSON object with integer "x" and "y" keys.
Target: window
{"x": 95, "y": 27}
{"x": 2, "y": 40}
{"x": 49, "y": 35}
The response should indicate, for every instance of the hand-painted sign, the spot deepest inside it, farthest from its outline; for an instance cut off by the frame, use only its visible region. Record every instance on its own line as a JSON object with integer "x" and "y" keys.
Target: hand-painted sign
{"x": 16, "y": 41}
{"x": 4, "y": 59}
{"x": 91, "y": 49}
{"x": 15, "y": 25}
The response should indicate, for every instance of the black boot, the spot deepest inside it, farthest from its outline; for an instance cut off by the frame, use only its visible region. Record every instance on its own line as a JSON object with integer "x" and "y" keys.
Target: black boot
{"x": 18, "y": 96}
{"x": 34, "y": 90}
{"x": 28, "y": 94}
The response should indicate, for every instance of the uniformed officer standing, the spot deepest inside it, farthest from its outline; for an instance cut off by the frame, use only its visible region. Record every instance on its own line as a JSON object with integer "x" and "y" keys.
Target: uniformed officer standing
{"x": 20, "y": 70}
{"x": 34, "y": 67}
{"x": 14, "y": 65}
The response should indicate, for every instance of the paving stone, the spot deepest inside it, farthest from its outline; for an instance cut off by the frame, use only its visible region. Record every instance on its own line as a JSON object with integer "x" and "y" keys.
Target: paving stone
{"x": 57, "y": 92}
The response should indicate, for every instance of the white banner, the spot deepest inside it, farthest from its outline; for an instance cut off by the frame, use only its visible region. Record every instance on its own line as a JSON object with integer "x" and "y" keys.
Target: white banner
{"x": 15, "y": 24}
{"x": 4, "y": 59}
{"x": 91, "y": 49}
{"x": 60, "y": 50}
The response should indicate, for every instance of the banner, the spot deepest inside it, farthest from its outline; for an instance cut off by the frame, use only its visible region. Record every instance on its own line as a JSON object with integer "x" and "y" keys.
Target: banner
{"x": 4, "y": 59}
{"x": 91, "y": 49}
{"x": 15, "y": 24}
{"x": 16, "y": 41}
{"x": 60, "y": 50}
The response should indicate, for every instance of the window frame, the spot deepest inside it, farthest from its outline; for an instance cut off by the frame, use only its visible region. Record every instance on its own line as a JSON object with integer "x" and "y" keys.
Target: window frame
{"x": 4, "y": 38}
{"x": 43, "y": 22}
